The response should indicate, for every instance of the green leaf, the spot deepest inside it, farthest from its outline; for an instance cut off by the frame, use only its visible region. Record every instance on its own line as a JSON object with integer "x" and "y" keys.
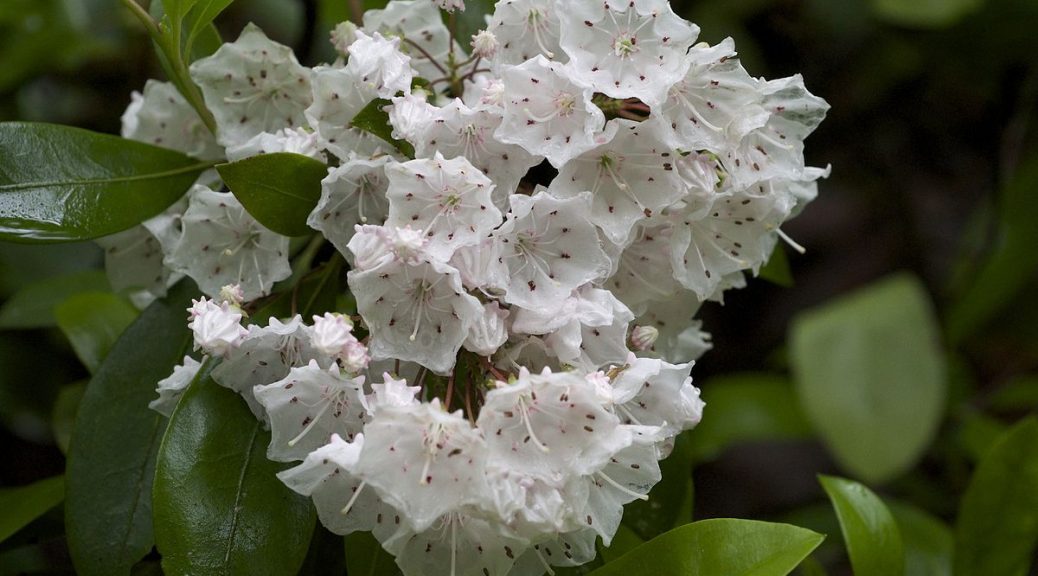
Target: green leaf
{"x": 623, "y": 542}
{"x": 720, "y": 546}
{"x": 24, "y": 504}
{"x": 1012, "y": 261}
{"x": 979, "y": 433}
{"x": 59, "y": 183}
{"x": 199, "y": 21}
{"x": 219, "y": 507}
{"x": 777, "y": 269}
{"x": 326, "y": 555}
{"x": 366, "y": 557}
{"x": 924, "y": 13}
{"x": 63, "y": 417}
{"x": 662, "y": 511}
{"x": 280, "y": 189}
{"x": 747, "y": 408}
{"x": 870, "y": 375}
{"x": 929, "y": 544}
{"x": 33, "y": 305}
{"x": 316, "y": 293}
{"x": 869, "y": 530}
{"x": 997, "y": 527}
{"x": 1019, "y": 394}
{"x": 373, "y": 119}
{"x": 92, "y": 322}
{"x": 111, "y": 460}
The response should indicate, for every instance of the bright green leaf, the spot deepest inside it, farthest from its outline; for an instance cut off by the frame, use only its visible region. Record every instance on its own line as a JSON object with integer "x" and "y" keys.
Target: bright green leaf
{"x": 24, "y": 504}
{"x": 997, "y": 527}
{"x": 924, "y": 13}
{"x": 111, "y": 459}
{"x": 929, "y": 544}
{"x": 219, "y": 507}
{"x": 280, "y": 189}
{"x": 777, "y": 270}
{"x": 59, "y": 183}
{"x": 747, "y": 408}
{"x": 662, "y": 510}
{"x": 63, "y": 417}
{"x": 199, "y": 21}
{"x": 869, "y": 530}
{"x": 33, "y": 305}
{"x": 373, "y": 119}
{"x": 92, "y": 322}
{"x": 720, "y": 546}
{"x": 366, "y": 557}
{"x": 870, "y": 375}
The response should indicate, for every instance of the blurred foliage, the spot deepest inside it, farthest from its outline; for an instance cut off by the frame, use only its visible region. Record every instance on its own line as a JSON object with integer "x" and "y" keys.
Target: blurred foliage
{"x": 933, "y": 141}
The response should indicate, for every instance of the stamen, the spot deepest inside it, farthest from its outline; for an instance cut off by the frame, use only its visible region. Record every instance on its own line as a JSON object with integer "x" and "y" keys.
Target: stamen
{"x": 356, "y": 493}
{"x": 790, "y": 241}
{"x": 529, "y": 428}
{"x": 311, "y": 424}
{"x": 623, "y": 489}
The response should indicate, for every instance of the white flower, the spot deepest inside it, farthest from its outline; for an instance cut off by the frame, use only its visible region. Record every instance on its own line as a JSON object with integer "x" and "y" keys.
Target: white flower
{"x": 417, "y": 22}
{"x": 222, "y": 244}
{"x": 338, "y": 95}
{"x": 308, "y": 405}
{"x": 379, "y": 66}
{"x": 448, "y": 200}
{"x": 410, "y": 115}
{"x": 253, "y": 85}
{"x": 161, "y": 116}
{"x": 464, "y": 543}
{"x": 352, "y": 193}
{"x": 172, "y": 387}
{"x": 626, "y": 48}
{"x": 217, "y": 328}
{"x": 484, "y": 44}
{"x": 681, "y": 337}
{"x": 524, "y": 29}
{"x": 547, "y": 112}
{"x": 392, "y": 392}
{"x": 331, "y": 333}
{"x": 488, "y": 332}
{"x": 450, "y": 5}
{"x": 651, "y": 392}
{"x": 296, "y": 140}
{"x": 342, "y": 36}
{"x": 644, "y": 273}
{"x": 354, "y": 357}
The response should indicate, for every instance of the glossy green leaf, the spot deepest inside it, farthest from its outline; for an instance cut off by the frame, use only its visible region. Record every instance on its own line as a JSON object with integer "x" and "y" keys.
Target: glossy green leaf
{"x": 111, "y": 459}
{"x": 929, "y": 544}
{"x": 870, "y": 375}
{"x": 326, "y": 555}
{"x": 924, "y": 13}
{"x": 623, "y": 542}
{"x": 373, "y": 119}
{"x": 661, "y": 512}
{"x": 63, "y": 417}
{"x": 59, "y": 183}
{"x": 366, "y": 557}
{"x": 92, "y": 322}
{"x": 997, "y": 528}
{"x": 747, "y": 408}
{"x": 219, "y": 507}
{"x": 24, "y": 504}
{"x": 33, "y": 305}
{"x": 869, "y": 530}
{"x": 777, "y": 270}
{"x": 719, "y": 546}
{"x": 280, "y": 190}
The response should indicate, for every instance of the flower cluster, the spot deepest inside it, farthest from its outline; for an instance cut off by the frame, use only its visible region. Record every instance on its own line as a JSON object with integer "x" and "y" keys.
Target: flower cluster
{"x": 579, "y": 184}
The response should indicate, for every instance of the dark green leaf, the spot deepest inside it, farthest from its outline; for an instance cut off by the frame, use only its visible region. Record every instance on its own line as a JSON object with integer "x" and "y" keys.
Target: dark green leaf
{"x": 979, "y": 433}
{"x": 997, "y": 527}
{"x": 375, "y": 120}
{"x": 24, "y": 504}
{"x": 777, "y": 269}
{"x": 869, "y": 530}
{"x": 662, "y": 510}
{"x": 623, "y": 542}
{"x": 59, "y": 183}
{"x": 929, "y": 544}
{"x": 720, "y": 546}
{"x": 219, "y": 506}
{"x": 63, "y": 417}
{"x": 199, "y": 22}
{"x": 365, "y": 556}
{"x": 33, "y": 305}
{"x": 747, "y": 408}
{"x": 924, "y": 13}
{"x": 316, "y": 294}
{"x": 870, "y": 375}
{"x": 326, "y": 556}
{"x": 280, "y": 190}
{"x": 92, "y": 322}
{"x": 111, "y": 460}
{"x": 1019, "y": 394}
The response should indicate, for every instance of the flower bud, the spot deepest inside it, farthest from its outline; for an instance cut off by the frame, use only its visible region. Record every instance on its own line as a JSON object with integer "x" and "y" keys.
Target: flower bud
{"x": 484, "y": 44}
{"x": 643, "y": 337}
{"x": 343, "y": 35}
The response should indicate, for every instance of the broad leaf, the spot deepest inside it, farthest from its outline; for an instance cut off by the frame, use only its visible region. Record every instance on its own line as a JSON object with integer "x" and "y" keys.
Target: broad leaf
{"x": 929, "y": 544}
{"x": 280, "y": 189}
{"x": 719, "y": 546}
{"x": 662, "y": 511}
{"x": 870, "y": 375}
{"x": 997, "y": 527}
{"x": 747, "y": 408}
{"x": 111, "y": 460}
{"x": 924, "y": 13}
{"x": 373, "y": 119}
{"x": 365, "y": 556}
{"x": 869, "y": 530}
{"x": 24, "y": 504}
{"x": 63, "y": 416}
{"x": 777, "y": 270}
{"x": 33, "y": 305}
{"x": 92, "y": 322}
{"x": 219, "y": 506}
{"x": 59, "y": 183}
